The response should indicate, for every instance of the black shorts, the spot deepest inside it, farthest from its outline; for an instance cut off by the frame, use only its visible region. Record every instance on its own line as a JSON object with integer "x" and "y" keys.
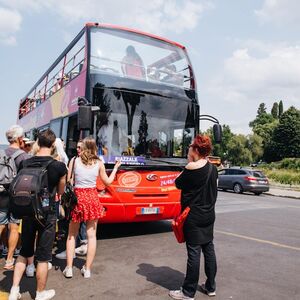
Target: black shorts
{"x": 45, "y": 239}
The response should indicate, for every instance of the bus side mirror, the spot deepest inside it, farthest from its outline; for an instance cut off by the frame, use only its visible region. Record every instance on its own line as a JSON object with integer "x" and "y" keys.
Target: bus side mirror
{"x": 85, "y": 118}
{"x": 217, "y": 129}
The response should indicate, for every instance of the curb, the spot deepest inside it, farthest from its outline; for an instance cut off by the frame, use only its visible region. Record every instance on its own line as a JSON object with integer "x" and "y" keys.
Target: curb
{"x": 285, "y": 187}
{"x": 282, "y": 196}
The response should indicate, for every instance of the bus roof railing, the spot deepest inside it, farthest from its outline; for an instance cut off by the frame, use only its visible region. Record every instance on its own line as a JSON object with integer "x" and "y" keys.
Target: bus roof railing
{"x": 78, "y": 36}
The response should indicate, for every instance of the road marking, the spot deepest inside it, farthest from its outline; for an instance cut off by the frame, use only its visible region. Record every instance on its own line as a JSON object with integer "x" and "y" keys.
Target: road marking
{"x": 291, "y": 206}
{"x": 258, "y": 240}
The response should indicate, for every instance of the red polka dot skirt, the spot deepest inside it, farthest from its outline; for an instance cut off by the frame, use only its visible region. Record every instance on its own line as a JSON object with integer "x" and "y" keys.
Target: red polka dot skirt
{"x": 88, "y": 206}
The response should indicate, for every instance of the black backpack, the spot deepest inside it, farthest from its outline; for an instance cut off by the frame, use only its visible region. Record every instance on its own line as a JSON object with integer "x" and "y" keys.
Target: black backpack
{"x": 29, "y": 191}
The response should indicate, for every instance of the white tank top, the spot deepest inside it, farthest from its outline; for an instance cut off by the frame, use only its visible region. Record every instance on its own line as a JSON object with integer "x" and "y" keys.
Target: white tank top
{"x": 85, "y": 176}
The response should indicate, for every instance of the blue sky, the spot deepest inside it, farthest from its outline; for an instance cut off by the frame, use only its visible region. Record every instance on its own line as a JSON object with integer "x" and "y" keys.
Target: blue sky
{"x": 243, "y": 52}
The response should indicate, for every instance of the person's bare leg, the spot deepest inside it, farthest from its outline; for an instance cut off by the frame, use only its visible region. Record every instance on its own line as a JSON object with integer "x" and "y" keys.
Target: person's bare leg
{"x": 41, "y": 275}
{"x": 91, "y": 229}
{"x": 19, "y": 270}
{"x": 12, "y": 240}
{"x": 30, "y": 260}
{"x": 73, "y": 231}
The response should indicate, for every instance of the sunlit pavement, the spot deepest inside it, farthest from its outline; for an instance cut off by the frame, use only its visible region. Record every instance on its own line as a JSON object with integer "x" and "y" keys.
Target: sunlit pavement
{"x": 284, "y": 193}
{"x": 257, "y": 243}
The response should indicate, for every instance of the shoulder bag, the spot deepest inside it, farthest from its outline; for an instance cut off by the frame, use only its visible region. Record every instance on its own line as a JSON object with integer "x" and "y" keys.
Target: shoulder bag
{"x": 68, "y": 198}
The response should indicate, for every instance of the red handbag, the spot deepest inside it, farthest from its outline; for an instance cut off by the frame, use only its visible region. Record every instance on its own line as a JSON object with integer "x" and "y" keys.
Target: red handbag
{"x": 177, "y": 225}
{"x": 178, "y": 222}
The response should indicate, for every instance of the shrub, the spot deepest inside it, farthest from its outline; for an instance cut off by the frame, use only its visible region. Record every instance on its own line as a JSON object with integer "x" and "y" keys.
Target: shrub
{"x": 284, "y": 176}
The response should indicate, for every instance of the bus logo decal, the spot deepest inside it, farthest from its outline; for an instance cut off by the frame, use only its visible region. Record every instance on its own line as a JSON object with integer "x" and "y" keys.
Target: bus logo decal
{"x": 151, "y": 177}
{"x": 130, "y": 179}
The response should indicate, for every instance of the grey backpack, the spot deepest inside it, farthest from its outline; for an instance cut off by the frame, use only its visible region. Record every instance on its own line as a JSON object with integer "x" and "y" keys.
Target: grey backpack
{"x": 8, "y": 169}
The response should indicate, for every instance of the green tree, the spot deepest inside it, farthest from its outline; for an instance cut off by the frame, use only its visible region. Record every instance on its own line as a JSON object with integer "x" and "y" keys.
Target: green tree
{"x": 286, "y": 136}
{"x": 255, "y": 145}
{"x": 238, "y": 153}
{"x": 262, "y": 117}
{"x": 280, "y": 108}
{"x": 262, "y": 109}
{"x": 263, "y": 125}
{"x": 265, "y": 131}
{"x": 221, "y": 149}
{"x": 274, "y": 111}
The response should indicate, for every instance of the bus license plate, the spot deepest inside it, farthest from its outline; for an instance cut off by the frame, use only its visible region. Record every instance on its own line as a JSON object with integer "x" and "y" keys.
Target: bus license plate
{"x": 150, "y": 210}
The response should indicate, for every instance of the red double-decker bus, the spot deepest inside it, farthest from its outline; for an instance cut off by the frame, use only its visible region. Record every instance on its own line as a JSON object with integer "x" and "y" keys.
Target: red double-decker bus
{"x": 144, "y": 110}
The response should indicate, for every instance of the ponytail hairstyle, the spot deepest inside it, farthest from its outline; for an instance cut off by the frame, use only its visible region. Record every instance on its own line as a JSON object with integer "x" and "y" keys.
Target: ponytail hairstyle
{"x": 202, "y": 145}
{"x": 89, "y": 151}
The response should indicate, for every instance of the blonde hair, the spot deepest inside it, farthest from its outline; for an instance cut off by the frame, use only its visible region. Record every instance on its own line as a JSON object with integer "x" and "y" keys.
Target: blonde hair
{"x": 60, "y": 152}
{"x": 35, "y": 148}
{"x": 54, "y": 153}
{"x": 89, "y": 151}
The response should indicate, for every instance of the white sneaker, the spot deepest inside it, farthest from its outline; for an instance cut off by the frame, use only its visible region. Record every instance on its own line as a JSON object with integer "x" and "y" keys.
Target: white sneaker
{"x": 82, "y": 250}
{"x": 30, "y": 269}
{"x": 63, "y": 255}
{"x": 179, "y": 295}
{"x": 68, "y": 272}
{"x": 85, "y": 273}
{"x": 45, "y": 295}
{"x": 49, "y": 265}
{"x": 14, "y": 293}
{"x": 209, "y": 294}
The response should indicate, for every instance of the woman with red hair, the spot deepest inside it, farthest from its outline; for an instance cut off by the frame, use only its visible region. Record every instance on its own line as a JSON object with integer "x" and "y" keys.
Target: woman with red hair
{"x": 198, "y": 185}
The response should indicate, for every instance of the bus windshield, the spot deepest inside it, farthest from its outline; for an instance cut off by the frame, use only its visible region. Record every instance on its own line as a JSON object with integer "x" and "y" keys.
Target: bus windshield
{"x": 133, "y": 124}
{"x": 139, "y": 57}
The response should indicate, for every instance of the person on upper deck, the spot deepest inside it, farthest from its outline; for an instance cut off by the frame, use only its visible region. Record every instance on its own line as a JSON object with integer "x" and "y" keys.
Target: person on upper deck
{"x": 132, "y": 64}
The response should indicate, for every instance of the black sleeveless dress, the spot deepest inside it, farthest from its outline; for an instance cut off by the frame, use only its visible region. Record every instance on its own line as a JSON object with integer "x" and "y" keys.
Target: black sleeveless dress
{"x": 201, "y": 198}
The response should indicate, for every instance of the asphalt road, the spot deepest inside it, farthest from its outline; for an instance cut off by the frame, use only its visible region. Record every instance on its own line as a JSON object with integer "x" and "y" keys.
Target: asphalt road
{"x": 257, "y": 242}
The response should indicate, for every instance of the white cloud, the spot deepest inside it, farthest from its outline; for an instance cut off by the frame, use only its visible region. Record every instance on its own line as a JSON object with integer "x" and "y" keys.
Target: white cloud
{"x": 24, "y": 5}
{"x": 10, "y": 22}
{"x": 156, "y": 16}
{"x": 279, "y": 11}
{"x": 247, "y": 80}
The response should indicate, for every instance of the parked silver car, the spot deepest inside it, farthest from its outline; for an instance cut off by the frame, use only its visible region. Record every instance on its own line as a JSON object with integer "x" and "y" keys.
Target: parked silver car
{"x": 243, "y": 180}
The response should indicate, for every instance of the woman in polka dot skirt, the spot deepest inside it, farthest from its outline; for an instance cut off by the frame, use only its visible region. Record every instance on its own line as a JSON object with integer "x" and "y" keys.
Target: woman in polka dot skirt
{"x": 86, "y": 169}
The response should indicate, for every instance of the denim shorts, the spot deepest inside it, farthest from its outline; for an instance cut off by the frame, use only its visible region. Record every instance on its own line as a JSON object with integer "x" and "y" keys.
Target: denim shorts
{"x": 7, "y": 218}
